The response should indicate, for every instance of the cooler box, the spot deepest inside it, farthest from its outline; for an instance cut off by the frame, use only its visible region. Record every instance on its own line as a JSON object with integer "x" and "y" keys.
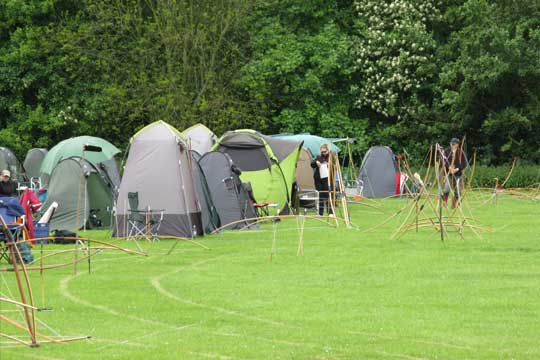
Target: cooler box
{"x": 41, "y": 231}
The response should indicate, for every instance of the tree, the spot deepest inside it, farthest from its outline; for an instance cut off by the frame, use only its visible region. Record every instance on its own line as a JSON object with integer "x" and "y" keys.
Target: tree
{"x": 300, "y": 68}
{"x": 490, "y": 77}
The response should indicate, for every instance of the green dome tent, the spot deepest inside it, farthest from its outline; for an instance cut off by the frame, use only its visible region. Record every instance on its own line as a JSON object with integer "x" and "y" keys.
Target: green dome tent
{"x": 74, "y": 147}
{"x": 84, "y": 193}
{"x": 268, "y": 163}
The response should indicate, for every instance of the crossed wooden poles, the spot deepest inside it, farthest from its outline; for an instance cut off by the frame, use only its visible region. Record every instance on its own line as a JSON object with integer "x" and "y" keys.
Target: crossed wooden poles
{"x": 423, "y": 199}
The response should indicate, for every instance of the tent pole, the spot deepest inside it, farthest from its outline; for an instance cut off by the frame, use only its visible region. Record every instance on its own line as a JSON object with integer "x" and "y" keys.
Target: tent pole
{"x": 81, "y": 178}
{"x": 439, "y": 197}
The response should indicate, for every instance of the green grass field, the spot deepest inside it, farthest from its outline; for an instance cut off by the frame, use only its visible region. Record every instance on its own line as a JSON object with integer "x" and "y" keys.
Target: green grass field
{"x": 352, "y": 295}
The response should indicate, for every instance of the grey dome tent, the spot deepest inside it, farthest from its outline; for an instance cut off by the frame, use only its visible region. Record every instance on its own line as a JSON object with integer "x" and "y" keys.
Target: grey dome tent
{"x": 209, "y": 214}
{"x": 200, "y": 138}
{"x": 228, "y": 193}
{"x": 158, "y": 168}
{"x": 32, "y": 162}
{"x": 8, "y": 161}
{"x": 84, "y": 193}
{"x": 378, "y": 173}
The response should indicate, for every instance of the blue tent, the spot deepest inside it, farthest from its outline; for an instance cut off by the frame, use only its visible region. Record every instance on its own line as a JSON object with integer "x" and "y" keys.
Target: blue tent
{"x": 311, "y": 142}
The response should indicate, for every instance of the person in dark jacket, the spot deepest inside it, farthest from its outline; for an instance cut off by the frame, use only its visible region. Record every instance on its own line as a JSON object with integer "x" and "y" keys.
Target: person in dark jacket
{"x": 455, "y": 162}
{"x": 321, "y": 173}
{"x": 7, "y": 186}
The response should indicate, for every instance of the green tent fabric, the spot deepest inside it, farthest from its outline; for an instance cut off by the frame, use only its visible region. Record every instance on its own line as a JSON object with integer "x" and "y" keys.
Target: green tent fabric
{"x": 80, "y": 189}
{"x": 311, "y": 142}
{"x": 74, "y": 147}
{"x": 32, "y": 162}
{"x": 8, "y": 161}
{"x": 268, "y": 163}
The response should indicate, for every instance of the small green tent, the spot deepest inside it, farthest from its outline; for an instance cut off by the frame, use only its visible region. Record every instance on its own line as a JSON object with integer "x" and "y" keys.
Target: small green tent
{"x": 84, "y": 193}
{"x": 74, "y": 147}
{"x": 268, "y": 163}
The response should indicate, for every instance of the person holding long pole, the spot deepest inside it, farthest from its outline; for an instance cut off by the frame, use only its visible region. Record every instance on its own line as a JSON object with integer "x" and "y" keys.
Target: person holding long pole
{"x": 455, "y": 162}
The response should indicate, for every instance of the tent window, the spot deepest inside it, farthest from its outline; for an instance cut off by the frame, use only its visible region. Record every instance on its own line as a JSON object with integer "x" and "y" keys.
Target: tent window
{"x": 248, "y": 160}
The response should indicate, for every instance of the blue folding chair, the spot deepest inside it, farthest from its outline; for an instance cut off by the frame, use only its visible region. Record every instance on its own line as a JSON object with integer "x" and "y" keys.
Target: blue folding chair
{"x": 10, "y": 230}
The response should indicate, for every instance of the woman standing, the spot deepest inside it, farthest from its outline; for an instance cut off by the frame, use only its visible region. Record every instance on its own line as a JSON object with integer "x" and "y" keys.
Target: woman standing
{"x": 320, "y": 164}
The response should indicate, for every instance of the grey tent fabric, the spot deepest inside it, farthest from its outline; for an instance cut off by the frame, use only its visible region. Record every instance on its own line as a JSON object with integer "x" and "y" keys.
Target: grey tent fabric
{"x": 200, "y": 138}
{"x": 32, "y": 162}
{"x": 378, "y": 172}
{"x": 110, "y": 169}
{"x": 8, "y": 161}
{"x": 251, "y": 140}
{"x": 158, "y": 168}
{"x": 230, "y": 198}
{"x": 83, "y": 193}
{"x": 209, "y": 215}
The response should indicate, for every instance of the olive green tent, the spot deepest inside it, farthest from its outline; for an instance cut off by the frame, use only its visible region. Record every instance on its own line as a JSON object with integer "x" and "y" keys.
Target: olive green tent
{"x": 84, "y": 193}
{"x": 74, "y": 147}
{"x": 268, "y": 163}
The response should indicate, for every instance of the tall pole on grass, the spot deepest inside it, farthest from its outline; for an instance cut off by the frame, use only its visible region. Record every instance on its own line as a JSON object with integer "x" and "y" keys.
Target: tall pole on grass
{"x": 439, "y": 193}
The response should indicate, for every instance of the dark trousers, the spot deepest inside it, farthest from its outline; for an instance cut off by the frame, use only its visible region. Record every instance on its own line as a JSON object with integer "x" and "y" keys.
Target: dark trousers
{"x": 324, "y": 193}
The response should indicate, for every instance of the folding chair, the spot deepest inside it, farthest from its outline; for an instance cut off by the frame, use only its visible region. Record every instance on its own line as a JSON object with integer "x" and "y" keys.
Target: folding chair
{"x": 142, "y": 223}
{"x": 10, "y": 231}
{"x": 308, "y": 198}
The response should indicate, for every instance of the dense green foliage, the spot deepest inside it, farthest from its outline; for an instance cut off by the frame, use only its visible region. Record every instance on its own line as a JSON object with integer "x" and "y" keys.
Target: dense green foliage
{"x": 403, "y": 73}
{"x": 520, "y": 177}
{"x": 352, "y": 295}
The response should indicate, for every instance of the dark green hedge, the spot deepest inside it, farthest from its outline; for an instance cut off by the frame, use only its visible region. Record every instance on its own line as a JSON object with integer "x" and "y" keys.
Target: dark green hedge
{"x": 484, "y": 176}
{"x": 522, "y": 175}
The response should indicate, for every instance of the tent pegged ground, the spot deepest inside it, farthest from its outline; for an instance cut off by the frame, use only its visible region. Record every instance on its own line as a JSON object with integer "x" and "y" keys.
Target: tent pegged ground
{"x": 352, "y": 295}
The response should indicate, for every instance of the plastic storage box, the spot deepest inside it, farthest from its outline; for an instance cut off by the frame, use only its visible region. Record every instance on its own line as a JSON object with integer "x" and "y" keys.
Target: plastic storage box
{"x": 41, "y": 231}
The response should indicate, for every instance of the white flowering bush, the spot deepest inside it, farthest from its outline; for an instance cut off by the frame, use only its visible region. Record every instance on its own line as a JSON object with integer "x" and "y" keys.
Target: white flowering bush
{"x": 394, "y": 51}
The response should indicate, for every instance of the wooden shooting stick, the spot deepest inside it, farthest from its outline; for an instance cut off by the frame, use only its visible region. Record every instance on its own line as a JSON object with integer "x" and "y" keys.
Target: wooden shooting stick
{"x": 334, "y": 170}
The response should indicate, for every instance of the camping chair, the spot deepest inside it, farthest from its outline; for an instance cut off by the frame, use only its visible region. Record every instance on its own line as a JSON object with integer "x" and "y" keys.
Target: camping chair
{"x": 35, "y": 183}
{"x": 307, "y": 198}
{"x": 11, "y": 231}
{"x": 142, "y": 223}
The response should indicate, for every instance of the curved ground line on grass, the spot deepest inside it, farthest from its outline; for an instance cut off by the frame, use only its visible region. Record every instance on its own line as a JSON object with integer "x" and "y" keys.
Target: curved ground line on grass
{"x": 156, "y": 283}
{"x": 144, "y": 336}
{"x": 64, "y": 291}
